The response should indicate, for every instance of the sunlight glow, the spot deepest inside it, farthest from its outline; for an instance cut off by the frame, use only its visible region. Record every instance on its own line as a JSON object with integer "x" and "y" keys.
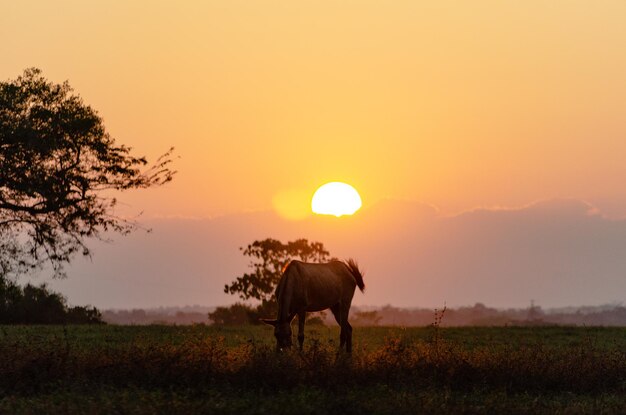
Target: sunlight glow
{"x": 292, "y": 204}
{"x": 336, "y": 199}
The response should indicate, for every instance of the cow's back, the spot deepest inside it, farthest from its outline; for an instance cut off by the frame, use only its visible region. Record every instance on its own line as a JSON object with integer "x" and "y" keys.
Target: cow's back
{"x": 316, "y": 287}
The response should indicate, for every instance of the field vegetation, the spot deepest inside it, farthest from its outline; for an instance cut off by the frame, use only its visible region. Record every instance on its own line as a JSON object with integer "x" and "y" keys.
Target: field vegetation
{"x": 204, "y": 369}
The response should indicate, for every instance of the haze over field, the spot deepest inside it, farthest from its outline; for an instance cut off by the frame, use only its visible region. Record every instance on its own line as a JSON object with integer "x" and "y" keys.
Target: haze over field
{"x": 558, "y": 253}
{"x": 507, "y": 116}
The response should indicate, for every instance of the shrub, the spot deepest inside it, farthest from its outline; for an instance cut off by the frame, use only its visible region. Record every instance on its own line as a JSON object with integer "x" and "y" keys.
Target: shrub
{"x": 234, "y": 315}
{"x": 38, "y": 305}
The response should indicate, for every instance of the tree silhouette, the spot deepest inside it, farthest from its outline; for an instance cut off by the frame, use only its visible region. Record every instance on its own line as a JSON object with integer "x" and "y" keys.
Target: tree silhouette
{"x": 269, "y": 258}
{"x": 39, "y": 305}
{"x": 56, "y": 163}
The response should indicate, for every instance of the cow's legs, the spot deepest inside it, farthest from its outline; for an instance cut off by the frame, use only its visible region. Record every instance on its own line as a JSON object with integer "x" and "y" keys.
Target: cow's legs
{"x": 345, "y": 326}
{"x": 336, "y": 310}
{"x": 301, "y": 317}
{"x": 348, "y": 337}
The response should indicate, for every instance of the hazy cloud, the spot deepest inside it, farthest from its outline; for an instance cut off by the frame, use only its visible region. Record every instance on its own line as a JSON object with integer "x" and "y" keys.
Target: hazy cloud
{"x": 556, "y": 252}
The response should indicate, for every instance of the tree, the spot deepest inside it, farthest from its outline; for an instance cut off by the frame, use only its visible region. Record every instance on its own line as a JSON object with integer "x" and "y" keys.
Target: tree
{"x": 57, "y": 162}
{"x": 39, "y": 305}
{"x": 269, "y": 257}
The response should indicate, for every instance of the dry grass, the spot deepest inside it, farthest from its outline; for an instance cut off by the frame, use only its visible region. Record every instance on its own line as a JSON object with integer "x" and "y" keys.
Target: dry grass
{"x": 411, "y": 367}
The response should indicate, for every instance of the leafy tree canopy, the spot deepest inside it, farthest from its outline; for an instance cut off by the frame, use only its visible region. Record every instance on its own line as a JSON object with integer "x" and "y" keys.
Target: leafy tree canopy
{"x": 269, "y": 257}
{"x": 56, "y": 160}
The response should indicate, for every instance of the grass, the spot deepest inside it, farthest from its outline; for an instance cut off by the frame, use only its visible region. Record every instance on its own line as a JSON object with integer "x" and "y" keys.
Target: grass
{"x": 200, "y": 369}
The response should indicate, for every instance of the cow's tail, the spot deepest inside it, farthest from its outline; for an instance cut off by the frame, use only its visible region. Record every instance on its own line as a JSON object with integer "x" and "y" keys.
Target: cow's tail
{"x": 356, "y": 273}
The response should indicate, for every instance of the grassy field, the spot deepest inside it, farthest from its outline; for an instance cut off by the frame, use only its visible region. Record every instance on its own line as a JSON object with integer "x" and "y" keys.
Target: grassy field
{"x": 200, "y": 369}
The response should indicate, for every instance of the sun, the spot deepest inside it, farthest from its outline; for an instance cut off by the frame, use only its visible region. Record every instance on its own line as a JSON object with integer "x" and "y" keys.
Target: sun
{"x": 336, "y": 199}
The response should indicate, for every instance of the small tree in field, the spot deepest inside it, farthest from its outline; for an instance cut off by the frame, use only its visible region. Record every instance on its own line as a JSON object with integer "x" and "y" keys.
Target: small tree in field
{"x": 269, "y": 257}
{"x": 56, "y": 163}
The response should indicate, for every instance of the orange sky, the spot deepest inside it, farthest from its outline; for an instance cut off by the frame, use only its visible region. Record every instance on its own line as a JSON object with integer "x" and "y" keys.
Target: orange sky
{"x": 457, "y": 104}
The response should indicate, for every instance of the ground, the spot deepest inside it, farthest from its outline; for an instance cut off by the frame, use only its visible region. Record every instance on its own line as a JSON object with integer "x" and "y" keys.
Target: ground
{"x": 201, "y": 369}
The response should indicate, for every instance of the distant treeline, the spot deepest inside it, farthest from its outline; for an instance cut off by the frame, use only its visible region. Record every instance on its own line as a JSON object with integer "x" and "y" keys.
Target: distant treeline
{"x": 477, "y": 315}
{"x": 163, "y": 315}
{"x": 38, "y": 305}
{"x": 481, "y": 315}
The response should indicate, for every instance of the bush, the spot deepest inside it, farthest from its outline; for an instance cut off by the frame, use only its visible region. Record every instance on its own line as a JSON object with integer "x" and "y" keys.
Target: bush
{"x": 236, "y": 314}
{"x": 39, "y": 305}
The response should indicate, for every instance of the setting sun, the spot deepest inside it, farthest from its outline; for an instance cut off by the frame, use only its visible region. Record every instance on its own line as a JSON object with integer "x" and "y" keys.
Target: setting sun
{"x": 336, "y": 199}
